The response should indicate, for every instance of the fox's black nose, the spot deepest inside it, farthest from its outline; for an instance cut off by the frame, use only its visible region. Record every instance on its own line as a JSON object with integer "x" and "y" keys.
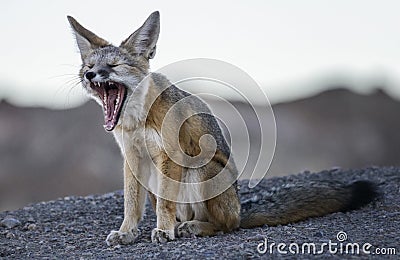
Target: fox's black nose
{"x": 90, "y": 75}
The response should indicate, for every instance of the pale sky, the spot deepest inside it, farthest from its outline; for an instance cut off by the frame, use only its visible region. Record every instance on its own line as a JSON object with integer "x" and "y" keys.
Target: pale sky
{"x": 288, "y": 47}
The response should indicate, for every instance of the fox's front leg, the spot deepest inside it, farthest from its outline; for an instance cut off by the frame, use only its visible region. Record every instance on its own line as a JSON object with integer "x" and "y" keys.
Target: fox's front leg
{"x": 134, "y": 200}
{"x": 168, "y": 189}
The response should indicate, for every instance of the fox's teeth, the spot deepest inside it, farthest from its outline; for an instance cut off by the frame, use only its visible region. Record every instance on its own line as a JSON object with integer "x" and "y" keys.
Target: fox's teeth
{"x": 115, "y": 109}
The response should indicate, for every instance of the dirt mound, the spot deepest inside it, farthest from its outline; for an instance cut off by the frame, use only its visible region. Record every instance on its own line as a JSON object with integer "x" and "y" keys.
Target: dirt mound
{"x": 76, "y": 227}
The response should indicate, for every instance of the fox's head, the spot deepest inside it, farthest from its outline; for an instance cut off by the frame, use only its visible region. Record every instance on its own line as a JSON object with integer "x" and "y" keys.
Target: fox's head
{"x": 110, "y": 73}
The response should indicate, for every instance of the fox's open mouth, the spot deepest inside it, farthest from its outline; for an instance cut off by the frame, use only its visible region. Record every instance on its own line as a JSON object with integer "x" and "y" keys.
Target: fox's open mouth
{"x": 112, "y": 95}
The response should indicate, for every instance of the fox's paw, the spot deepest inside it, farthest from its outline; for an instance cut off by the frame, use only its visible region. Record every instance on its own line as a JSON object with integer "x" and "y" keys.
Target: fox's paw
{"x": 162, "y": 236}
{"x": 187, "y": 229}
{"x": 121, "y": 238}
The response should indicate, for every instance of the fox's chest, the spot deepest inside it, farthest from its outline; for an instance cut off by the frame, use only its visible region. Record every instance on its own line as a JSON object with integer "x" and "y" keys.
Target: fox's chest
{"x": 142, "y": 141}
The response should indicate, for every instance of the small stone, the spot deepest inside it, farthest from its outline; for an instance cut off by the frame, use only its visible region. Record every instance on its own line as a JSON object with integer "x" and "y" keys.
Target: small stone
{"x": 114, "y": 248}
{"x": 87, "y": 227}
{"x": 32, "y": 227}
{"x": 60, "y": 226}
{"x": 70, "y": 248}
{"x": 45, "y": 248}
{"x": 89, "y": 197}
{"x": 10, "y": 222}
{"x": 107, "y": 195}
{"x": 255, "y": 198}
{"x": 319, "y": 234}
{"x": 256, "y": 238}
{"x": 10, "y": 235}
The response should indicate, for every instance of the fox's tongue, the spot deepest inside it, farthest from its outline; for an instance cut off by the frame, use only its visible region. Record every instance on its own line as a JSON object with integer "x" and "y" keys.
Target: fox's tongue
{"x": 110, "y": 108}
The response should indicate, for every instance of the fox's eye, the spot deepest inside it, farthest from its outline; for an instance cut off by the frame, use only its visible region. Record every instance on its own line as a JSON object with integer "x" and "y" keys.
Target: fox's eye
{"x": 113, "y": 65}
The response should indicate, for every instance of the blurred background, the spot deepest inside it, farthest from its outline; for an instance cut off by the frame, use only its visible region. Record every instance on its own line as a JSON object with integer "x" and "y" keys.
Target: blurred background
{"x": 329, "y": 68}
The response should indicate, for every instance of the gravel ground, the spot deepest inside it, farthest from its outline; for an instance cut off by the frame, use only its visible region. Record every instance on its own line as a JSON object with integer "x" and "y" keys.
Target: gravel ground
{"x": 76, "y": 227}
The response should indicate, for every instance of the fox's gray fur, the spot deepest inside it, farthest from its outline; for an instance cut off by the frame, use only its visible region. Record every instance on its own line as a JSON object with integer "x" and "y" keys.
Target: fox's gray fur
{"x": 136, "y": 104}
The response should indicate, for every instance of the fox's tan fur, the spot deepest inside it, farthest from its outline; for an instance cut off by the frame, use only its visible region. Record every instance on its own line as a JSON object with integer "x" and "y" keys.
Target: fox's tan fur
{"x": 144, "y": 117}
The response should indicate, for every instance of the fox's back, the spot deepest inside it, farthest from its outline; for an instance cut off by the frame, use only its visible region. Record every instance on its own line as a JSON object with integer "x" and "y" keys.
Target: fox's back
{"x": 191, "y": 114}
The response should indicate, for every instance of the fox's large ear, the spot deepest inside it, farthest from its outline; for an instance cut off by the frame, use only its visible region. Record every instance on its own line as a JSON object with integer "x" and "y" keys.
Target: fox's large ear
{"x": 86, "y": 40}
{"x": 143, "y": 41}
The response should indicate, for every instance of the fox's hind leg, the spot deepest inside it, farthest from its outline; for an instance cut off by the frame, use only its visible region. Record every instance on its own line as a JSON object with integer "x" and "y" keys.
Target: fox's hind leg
{"x": 196, "y": 228}
{"x": 224, "y": 210}
{"x": 223, "y": 214}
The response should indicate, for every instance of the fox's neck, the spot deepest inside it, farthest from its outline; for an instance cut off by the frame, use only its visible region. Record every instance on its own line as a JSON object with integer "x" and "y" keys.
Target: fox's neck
{"x": 137, "y": 106}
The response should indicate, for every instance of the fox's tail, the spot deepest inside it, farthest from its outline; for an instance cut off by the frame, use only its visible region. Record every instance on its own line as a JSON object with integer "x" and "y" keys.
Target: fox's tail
{"x": 294, "y": 203}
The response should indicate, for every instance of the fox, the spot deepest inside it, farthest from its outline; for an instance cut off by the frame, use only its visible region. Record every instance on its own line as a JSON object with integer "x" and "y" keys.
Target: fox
{"x": 160, "y": 128}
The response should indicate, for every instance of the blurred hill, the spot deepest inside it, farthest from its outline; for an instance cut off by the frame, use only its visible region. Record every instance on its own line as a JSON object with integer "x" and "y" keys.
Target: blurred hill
{"x": 338, "y": 128}
{"x": 45, "y": 154}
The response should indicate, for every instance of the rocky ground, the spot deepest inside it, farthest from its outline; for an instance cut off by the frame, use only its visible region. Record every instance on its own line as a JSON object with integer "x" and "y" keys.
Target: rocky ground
{"x": 76, "y": 227}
